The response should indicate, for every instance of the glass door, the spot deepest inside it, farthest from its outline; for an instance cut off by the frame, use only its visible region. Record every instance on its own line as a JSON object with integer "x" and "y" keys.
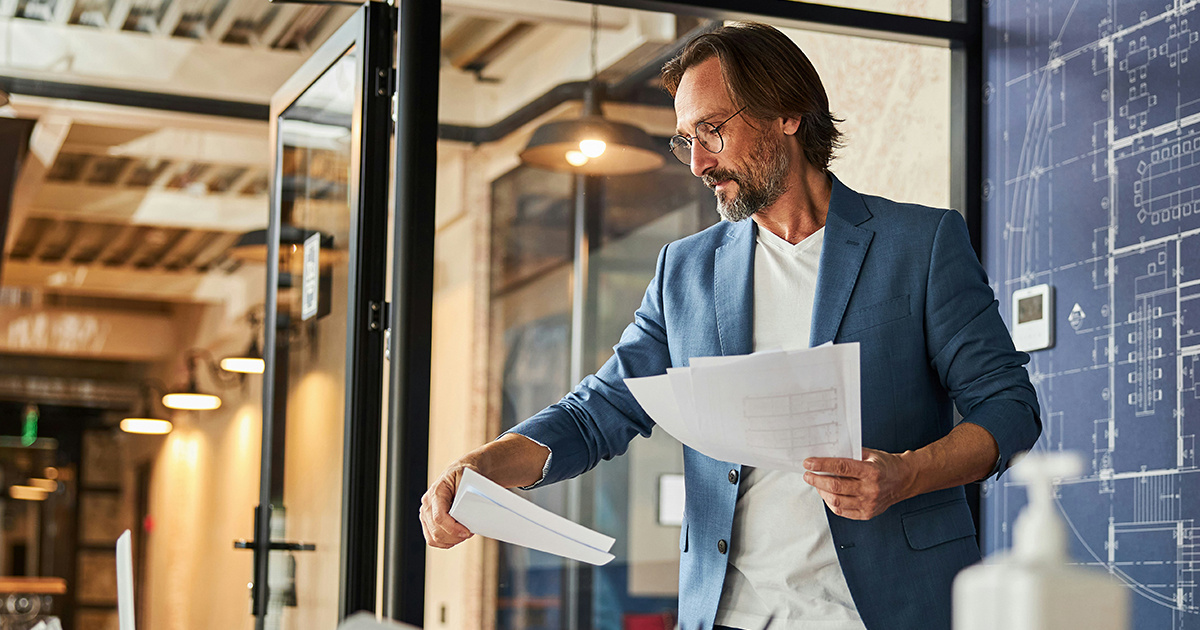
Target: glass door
{"x": 319, "y": 492}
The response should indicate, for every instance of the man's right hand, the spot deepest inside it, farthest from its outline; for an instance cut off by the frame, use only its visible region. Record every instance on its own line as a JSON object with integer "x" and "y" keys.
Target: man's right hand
{"x": 513, "y": 461}
{"x": 441, "y": 530}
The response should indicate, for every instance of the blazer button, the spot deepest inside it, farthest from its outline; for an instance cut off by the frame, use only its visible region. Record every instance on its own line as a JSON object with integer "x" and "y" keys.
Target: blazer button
{"x": 733, "y": 476}
{"x": 721, "y": 546}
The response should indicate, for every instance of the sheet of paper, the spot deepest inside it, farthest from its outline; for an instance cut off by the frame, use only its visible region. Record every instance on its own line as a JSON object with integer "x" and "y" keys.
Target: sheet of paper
{"x": 125, "y": 610}
{"x": 770, "y": 409}
{"x": 491, "y": 511}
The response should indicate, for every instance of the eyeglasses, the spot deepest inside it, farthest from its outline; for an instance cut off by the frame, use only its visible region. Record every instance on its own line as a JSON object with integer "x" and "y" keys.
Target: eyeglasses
{"x": 709, "y": 136}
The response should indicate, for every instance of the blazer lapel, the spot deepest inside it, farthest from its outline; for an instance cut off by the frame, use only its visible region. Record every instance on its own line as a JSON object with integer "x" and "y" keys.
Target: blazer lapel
{"x": 842, "y": 255}
{"x": 733, "y": 290}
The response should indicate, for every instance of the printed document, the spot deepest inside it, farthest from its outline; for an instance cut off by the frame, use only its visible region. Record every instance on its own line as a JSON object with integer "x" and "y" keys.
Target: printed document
{"x": 489, "y": 510}
{"x": 767, "y": 409}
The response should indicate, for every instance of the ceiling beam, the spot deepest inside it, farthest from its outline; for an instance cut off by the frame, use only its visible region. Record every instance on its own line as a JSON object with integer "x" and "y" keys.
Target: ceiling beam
{"x": 233, "y": 10}
{"x": 45, "y": 142}
{"x": 156, "y": 206}
{"x": 122, "y": 282}
{"x": 284, "y": 16}
{"x": 90, "y": 333}
{"x": 541, "y": 11}
{"x": 65, "y": 61}
{"x": 170, "y": 18}
{"x": 63, "y": 10}
{"x": 118, "y": 15}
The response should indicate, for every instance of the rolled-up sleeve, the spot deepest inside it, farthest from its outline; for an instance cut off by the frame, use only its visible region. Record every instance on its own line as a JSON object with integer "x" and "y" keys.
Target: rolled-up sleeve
{"x": 971, "y": 349}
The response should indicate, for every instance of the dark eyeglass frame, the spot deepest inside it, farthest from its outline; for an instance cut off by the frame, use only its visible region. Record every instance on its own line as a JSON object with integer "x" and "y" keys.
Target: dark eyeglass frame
{"x": 680, "y": 141}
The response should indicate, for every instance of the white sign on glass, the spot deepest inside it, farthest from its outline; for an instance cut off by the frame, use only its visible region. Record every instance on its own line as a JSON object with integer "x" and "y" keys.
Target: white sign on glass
{"x": 310, "y": 298}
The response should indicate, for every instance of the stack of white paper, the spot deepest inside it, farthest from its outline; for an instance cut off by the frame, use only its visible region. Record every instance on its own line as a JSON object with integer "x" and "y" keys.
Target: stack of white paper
{"x": 768, "y": 409}
{"x": 489, "y": 510}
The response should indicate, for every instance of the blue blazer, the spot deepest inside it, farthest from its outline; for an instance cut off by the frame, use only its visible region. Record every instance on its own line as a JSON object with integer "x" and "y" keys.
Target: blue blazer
{"x": 904, "y": 282}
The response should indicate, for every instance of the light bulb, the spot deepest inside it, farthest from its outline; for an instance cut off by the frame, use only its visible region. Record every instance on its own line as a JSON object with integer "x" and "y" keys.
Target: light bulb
{"x": 592, "y": 148}
{"x": 576, "y": 158}
{"x": 146, "y": 426}
{"x": 189, "y": 401}
{"x": 244, "y": 365}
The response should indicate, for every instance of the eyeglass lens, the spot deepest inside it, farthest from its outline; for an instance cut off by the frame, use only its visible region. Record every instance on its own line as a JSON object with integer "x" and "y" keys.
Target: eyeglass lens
{"x": 706, "y": 134}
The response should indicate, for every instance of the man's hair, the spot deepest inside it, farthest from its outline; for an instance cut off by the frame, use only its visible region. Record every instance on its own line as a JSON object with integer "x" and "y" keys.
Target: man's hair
{"x": 770, "y": 76}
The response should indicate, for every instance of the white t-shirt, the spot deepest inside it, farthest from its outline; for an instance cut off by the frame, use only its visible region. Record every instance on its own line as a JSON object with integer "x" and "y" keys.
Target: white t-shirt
{"x": 781, "y": 556}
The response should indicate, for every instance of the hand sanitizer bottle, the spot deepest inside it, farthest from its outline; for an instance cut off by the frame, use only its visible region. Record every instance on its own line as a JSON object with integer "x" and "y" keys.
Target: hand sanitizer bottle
{"x": 1031, "y": 587}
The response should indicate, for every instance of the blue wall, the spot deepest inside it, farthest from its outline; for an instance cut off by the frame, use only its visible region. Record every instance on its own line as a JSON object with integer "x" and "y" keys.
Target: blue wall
{"x": 1093, "y": 185}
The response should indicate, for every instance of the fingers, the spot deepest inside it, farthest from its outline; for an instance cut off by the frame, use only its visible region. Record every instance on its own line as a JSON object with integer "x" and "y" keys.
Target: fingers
{"x": 841, "y": 486}
{"x": 440, "y": 529}
{"x": 845, "y": 506}
{"x": 840, "y": 466}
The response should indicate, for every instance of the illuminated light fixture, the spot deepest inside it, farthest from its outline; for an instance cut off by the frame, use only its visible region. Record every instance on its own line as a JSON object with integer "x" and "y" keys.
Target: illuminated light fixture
{"x": 191, "y": 401}
{"x": 49, "y": 485}
{"x": 244, "y": 365}
{"x": 146, "y": 426}
{"x": 143, "y": 422}
{"x": 593, "y": 144}
{"x": 592, "y": 148}
{"x": 27, "y": 493}
{"x": 191, "y": 398}
{"x": 252, "y": 361}
{"x": 576, "y": 158}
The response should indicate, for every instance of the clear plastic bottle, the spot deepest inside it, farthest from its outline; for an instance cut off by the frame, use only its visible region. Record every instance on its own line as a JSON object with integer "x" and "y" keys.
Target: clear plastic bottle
{"x": 1031, "y": 587}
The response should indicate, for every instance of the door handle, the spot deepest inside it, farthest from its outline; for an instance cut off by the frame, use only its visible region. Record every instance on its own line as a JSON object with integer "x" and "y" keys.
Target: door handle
{"x": 276, "y": 545}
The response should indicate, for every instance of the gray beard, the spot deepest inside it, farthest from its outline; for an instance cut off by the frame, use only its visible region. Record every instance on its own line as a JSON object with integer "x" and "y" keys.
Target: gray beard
{"x": 761, "y": 186}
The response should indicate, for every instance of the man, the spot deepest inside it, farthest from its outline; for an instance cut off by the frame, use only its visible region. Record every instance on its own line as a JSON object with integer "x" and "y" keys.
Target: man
{"x": 873, "y": 543}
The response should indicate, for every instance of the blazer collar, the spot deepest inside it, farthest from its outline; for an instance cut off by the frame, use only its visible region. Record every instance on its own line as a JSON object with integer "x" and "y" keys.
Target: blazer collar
{"x": 733, "y": 289}
{"x": 842, "y": 253}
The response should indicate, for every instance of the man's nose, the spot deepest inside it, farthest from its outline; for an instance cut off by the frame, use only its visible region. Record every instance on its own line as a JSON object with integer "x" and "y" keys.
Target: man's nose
{"x": 702, "y": 160}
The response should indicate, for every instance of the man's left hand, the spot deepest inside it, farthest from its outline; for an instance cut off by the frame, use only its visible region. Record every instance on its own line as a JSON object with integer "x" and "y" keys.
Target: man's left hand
{"x": 861, "y": 490}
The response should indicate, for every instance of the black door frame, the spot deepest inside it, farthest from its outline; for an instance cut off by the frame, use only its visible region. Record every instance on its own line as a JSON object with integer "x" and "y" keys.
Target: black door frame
{"x": 370, "y": 30}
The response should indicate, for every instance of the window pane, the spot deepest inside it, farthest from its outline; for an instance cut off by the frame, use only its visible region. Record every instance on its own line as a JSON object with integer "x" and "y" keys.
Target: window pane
{"x": 504, "y": 310}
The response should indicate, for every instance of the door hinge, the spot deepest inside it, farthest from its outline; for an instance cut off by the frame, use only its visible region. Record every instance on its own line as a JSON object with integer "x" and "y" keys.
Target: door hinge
{"x": 377, "y": 315}
{"x": 385, "y": 81}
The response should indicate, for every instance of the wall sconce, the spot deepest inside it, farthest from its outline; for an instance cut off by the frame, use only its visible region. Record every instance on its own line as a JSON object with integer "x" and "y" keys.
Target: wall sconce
{"x": 190, "y": 398}
{"x": 144, "y": 420}
{"x": 250, "y": 362}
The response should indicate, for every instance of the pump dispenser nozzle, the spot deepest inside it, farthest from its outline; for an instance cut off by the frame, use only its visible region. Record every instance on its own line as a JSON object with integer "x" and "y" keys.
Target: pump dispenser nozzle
{"x": 1040, "y": 533}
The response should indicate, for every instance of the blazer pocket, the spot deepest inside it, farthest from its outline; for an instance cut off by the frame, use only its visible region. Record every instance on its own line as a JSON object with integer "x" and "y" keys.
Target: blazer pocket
{"x": 683, "y": 532}
{"x": 934, "y": 525}
{"x": 875, "y": 315}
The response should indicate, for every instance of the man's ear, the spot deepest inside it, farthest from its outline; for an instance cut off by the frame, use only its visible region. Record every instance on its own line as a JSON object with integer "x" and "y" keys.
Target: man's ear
{"x": 791, "y": 125}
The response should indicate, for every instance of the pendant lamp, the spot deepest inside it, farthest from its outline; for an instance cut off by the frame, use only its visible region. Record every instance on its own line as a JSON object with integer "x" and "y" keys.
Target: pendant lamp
{"x": 592, "y": 144}
{"x": 190, "y": 398}
{"x": 145, "y": 420}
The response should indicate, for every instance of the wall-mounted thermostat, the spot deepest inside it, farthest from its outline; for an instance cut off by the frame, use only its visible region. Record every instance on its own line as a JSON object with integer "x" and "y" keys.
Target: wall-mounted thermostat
{"x": 1033, "y": 318}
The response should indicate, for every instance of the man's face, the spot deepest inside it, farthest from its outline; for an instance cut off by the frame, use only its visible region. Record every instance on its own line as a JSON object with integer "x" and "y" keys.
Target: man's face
{"x": 750, "y": 172}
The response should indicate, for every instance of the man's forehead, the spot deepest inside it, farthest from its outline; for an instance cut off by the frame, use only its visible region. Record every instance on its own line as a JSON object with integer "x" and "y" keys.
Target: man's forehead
{"x": 701, "y": 95}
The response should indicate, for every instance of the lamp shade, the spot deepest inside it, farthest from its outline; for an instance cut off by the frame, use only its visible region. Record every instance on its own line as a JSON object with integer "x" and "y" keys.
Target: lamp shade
{"x": 592, "y": 145}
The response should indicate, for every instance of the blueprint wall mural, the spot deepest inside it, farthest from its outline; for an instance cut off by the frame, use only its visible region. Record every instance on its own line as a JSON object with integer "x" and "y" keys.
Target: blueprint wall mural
{"x": 1093, "y": 185}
